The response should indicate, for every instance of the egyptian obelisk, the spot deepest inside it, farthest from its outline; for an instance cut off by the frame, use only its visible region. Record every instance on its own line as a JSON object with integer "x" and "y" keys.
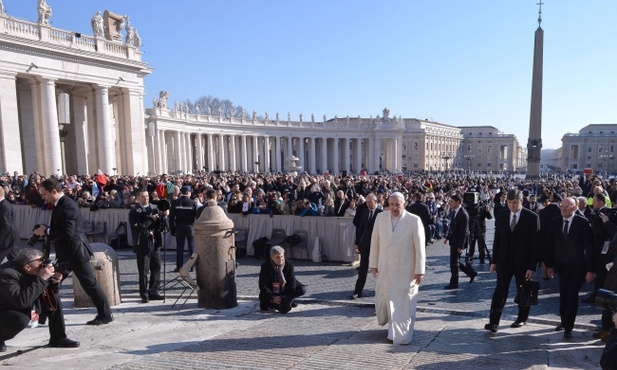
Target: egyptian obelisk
{"x": 534, "y": 143}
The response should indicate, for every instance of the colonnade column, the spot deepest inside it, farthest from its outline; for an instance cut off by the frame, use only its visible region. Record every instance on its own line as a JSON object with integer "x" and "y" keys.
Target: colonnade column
{"x": 301, "y": 153}
{"x": 177, "y": 151}
{"x": 49, "y": 117}
{"x": 160, "y": 154}
{"x": 336, "y": 159}
{"x": 276, "y": 151}
{"x": 377, "y": 154}
{"x": 232, "y": 153}
{"x": 107, "y": 150}
{"x": 312, "y": 157}
{"x": 11, "y": 156}
{"x": 357, "y": 156}
{"x": 200, "y": 151}
{"x": 255, "y": 154}
{"x": 266, "y": 154}
{"x": 345, "y": 160}
{"x": 395, "y": 153}
{"x": 222, "y": 151}
{"x": 324, "y": 155}
{"x": 245, "y": 155}
{"x": 190, "y": 153}
{"x": 211, "y": 163}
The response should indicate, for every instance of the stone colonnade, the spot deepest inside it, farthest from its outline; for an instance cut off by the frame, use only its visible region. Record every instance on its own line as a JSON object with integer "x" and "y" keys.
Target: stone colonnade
{"x": 171, "y": 150}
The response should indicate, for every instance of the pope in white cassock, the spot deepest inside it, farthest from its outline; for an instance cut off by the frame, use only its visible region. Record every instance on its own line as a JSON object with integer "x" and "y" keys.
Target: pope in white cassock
{"x": 397, "y": 260}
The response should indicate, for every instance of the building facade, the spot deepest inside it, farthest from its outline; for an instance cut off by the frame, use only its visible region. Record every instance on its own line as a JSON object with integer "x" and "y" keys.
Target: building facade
{"x": 592, "y": 147}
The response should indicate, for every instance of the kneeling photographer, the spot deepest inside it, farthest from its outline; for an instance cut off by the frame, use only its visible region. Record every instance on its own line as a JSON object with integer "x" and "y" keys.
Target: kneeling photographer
{"x": 608, "y": 302}
{"x": 28, "y": 287}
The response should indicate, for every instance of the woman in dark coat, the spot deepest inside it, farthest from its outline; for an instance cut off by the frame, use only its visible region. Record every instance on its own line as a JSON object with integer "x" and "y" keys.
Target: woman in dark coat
{"x": 277, "y": 284}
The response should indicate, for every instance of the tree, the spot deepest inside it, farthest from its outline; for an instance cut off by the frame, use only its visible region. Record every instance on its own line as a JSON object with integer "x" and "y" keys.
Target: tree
{"x": 214, "y": 104}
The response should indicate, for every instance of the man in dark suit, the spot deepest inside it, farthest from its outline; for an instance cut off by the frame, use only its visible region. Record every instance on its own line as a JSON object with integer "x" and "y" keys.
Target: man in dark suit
{"x": 181, "y": 219}
{"x": 570, "y": 252}
{"x": 547, "y": 214}
{"x": 420, "y": 209}
{"x": 514, "y": 254}
{"x": 364, "y": 231}
{"x": 72, "y": 250}
{"x": 458, "y": 238}
{"x": 8, "y": 231}
{"x": 500, "y": 203}
{"x": 145, "y": 219}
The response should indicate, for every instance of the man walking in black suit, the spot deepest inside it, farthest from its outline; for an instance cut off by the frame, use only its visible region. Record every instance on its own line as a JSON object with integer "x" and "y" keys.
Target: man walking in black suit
{"x": 364, "y": 231}
{"x": 458, "y": 238}
{"x": 421, "y": 210}
{"x": 8, "y": 231}
{"x": 72, "y": 250}
{"x": 570, "y": 252}
{"x": 514, "y": 254}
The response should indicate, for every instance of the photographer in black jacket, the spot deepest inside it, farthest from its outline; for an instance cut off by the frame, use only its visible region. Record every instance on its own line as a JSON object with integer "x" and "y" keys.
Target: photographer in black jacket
{"x": 27, "y": 282}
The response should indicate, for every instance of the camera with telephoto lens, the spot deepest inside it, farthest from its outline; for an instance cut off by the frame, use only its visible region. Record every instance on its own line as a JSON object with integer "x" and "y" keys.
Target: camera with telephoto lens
{"x": 58, "y": 267}
{"x": 34, "y": 238}
{"x": 606, "y": 300}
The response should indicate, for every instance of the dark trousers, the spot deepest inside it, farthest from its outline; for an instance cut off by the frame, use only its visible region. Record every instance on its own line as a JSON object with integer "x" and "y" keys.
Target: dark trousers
{"x": 362, "y": 272}
{"x": 504, "y": 277}
{"x": 285, "y": 305}
{"x": 480, "y": 238}
{"x": 13, "y": 322}
{"x": 190, "y": 241}
{"x": 570, "y": 283}
{"x": 149, "y": 262}
{"x": 455, "y": 265}
{"x": 84, "y": 273}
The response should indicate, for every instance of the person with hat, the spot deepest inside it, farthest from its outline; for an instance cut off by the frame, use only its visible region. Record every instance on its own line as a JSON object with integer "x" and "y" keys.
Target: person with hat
{"x": 397, "y": 259}
{"x": 182, "y": 216}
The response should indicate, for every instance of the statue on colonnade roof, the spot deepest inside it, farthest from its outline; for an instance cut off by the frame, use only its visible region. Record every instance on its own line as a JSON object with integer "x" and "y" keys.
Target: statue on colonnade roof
{"x": 97, "y": 25}
{"x": 1, "y": 8}
{"x": 44, "y": 12}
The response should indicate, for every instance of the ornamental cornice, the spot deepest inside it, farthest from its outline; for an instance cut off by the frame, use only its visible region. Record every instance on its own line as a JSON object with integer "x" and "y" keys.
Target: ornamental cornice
{"x": 94, "y": 59}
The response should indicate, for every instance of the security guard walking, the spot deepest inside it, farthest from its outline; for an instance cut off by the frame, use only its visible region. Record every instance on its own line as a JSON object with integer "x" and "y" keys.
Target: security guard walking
{"x": 181, "y": 219}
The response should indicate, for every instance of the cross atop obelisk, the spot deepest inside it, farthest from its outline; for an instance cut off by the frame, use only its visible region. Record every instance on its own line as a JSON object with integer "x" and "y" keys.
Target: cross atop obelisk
{"x": 534, "y": 143}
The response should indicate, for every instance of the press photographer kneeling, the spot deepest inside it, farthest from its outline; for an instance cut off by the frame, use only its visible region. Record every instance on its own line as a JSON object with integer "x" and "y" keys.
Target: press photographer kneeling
{"x": 607, "y": 300}
{"x": 28, "y": 287}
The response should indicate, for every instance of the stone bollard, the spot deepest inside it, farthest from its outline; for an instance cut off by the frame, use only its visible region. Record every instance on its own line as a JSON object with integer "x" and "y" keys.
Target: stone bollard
{"x": 105, "y": 265}
{"x": 216, "y": 264}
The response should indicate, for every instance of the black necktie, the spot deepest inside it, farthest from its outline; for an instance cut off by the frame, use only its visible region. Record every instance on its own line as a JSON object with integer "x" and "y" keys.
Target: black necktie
{"x": 513, "y": 223}
{"x": 565, "y": 228}
{"x": 370, "y": 214}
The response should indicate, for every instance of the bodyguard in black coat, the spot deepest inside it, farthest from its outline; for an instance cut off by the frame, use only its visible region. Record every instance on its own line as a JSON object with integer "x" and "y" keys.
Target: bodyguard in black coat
{"x": 420, "y": 209}
{"x": 570, "y": 252}
{"x": 181, "y": 219}
{"x": 8, "y": 231}
{"x": 458, "y": 238}
{"x": 514, "y": 254}
{"x": 72, "y": 249}
{"x": 364, "y": 231}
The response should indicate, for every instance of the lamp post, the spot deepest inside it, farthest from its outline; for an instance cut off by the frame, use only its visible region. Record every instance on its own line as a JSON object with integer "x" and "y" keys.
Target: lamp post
{"x": 447, "y": 156}
{"x": 469, "y": 157}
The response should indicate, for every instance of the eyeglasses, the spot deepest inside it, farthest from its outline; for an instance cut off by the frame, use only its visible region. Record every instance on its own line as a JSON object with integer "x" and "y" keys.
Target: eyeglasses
{"x": 40, "y": 259}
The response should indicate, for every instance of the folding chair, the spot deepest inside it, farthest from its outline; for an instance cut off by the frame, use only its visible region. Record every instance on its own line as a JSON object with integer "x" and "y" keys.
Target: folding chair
{"x": 99, "y": 229}
{"x": 185, "y": 280}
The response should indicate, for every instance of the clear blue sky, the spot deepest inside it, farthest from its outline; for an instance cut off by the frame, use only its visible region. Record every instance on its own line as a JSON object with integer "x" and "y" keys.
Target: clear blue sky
{"x": 459, "y": 62}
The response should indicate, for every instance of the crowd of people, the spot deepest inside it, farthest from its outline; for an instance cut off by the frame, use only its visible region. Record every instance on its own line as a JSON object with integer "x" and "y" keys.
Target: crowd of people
{"x": 560, "y": 224}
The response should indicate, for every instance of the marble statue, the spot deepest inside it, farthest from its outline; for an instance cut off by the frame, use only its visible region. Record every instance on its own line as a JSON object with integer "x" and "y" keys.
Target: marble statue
{"x": 300, "y": 117}
{"x": 220, "y": 111}
{"x": 129, "y": 39}
{"x": 243, "y": 114}
{"x": 1, "y": 7}
{"x": 254, "y": 114}
{"x": 44, "y": 11}
{"x": 209, "y": 110}
{"x": 312, "y": 117}
{"x": 231, "y": 112}
{"x": 266, "y": 116}
{"x": 155, "y": 103}
{"x": 137, "y": 39}
{"x": 288, "y": 116}
{"x": 197, "y": 109}
{"x": 324, "y": 118}
{"x": 97, "y": 25}
{"x": 386, "y": 113}
{"x": 277, "y": 116}
{"x": 175, "y": 106}
{"x": 163, "y": 95}
{"x": 186, "y": 108}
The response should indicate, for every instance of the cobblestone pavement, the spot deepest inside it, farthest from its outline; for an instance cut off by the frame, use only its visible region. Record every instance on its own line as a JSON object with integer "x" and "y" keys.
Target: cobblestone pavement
{"x": 327, "y": 330}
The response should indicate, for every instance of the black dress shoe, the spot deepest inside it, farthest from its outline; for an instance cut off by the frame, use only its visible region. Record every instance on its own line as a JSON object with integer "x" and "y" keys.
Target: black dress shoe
{"x": 518, "y": 324}
{"x": 63, "y": 343}
{"x": 589, "y": 299}
{"x": 155, "y": 297}
{"x": 481, "y": 261}
{"x": 473, "y": 277}
{"x": 451, "y": 286}
{"x": 559, "y": 327}
{"x": 356, "y": 296}
{"x": 491, "y": 327}
{"x": 101, "y": 320}
{"x": 144, "y": 299}
{"x": 2, "y": 347}
{"x": 567, "y": 335}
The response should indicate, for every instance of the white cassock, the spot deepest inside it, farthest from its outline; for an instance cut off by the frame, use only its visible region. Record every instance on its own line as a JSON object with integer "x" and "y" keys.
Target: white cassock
{"x": 399, "y": 255}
